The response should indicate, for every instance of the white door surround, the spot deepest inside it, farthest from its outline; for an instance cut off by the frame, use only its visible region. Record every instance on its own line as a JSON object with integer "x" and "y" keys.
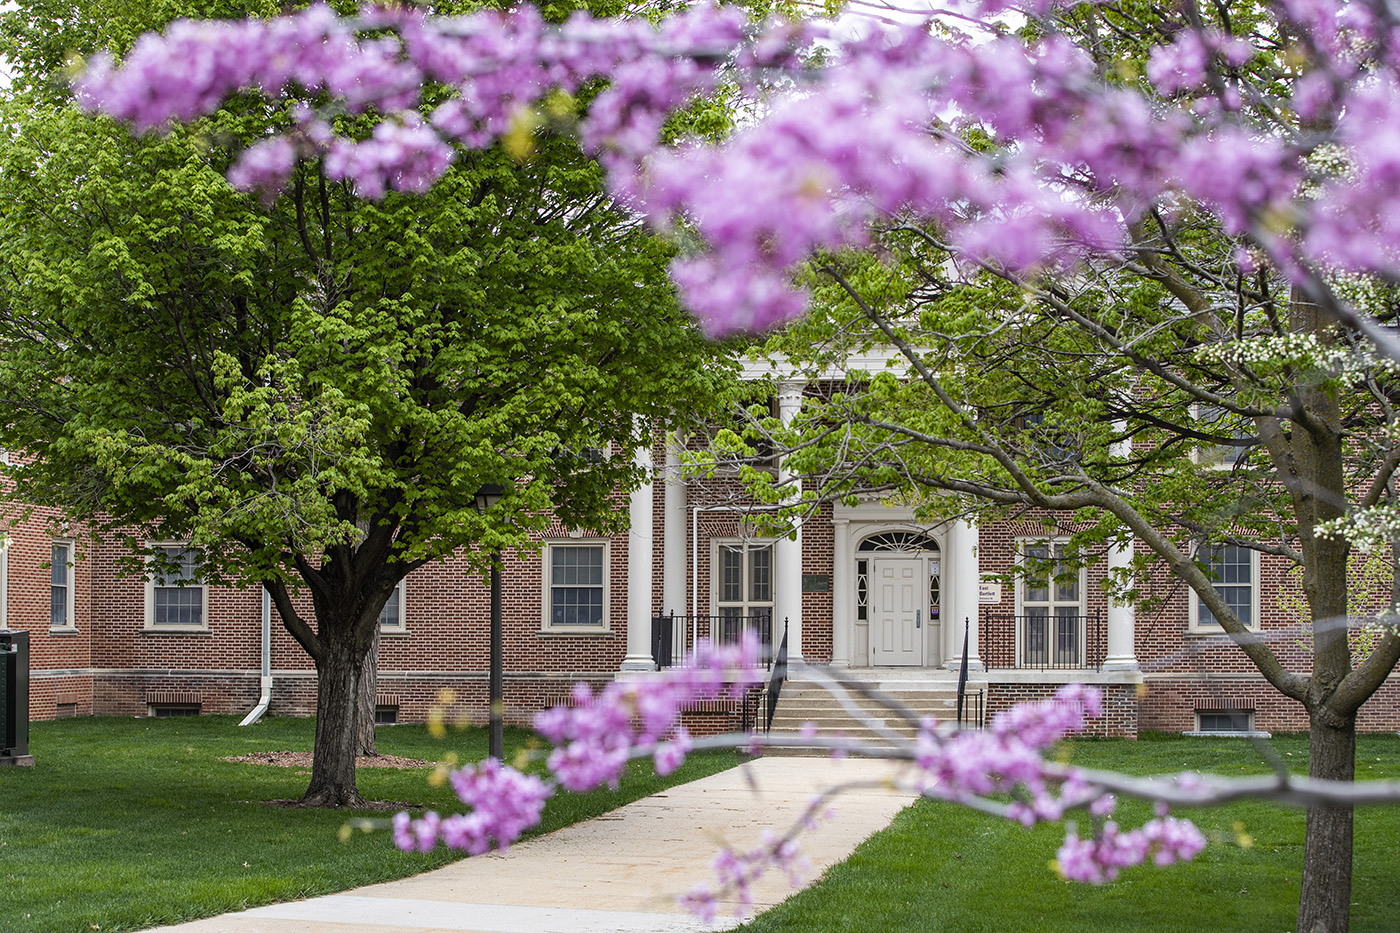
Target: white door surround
{"x": 954, "y": 564}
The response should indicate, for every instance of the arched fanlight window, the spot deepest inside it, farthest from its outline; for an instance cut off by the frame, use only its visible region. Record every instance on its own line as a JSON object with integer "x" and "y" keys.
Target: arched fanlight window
{"x": 899, "y": 541}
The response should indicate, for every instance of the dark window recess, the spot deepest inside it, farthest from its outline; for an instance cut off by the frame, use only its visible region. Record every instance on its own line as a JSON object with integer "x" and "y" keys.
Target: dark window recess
{"x": 66, "y": 711}
{"x": 1234, "y": 720}
{"x": 168, "y": 710}
{"x": 386, "y": 715}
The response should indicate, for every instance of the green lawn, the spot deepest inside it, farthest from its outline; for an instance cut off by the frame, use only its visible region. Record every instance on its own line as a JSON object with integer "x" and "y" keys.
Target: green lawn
{"x": 129, "y": 823}
{"x": 941, "y": 867}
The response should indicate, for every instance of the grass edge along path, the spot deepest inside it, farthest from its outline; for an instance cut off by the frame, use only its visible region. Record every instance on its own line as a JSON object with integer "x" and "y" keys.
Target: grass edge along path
{"x": 943, "y": 867}
{"x": 131, "y": 823}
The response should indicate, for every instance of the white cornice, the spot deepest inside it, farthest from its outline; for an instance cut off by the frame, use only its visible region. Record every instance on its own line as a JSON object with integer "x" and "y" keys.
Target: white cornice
{"x": 779, "y": 369}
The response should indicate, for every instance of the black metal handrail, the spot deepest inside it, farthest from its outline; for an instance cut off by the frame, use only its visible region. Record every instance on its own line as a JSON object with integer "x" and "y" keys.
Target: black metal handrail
{"x": 1030, "y": 641}
{"x": 969, "y": 701}
{"x": 972, "y": 710}
{"x": 775, "y": 683}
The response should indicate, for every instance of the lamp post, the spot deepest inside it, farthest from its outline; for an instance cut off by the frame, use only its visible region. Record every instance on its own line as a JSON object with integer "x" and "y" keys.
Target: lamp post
{"x": 486, "y": 497}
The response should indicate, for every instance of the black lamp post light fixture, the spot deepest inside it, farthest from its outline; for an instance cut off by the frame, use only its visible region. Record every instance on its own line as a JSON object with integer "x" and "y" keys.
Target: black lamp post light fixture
{"x": 487, "y": 497}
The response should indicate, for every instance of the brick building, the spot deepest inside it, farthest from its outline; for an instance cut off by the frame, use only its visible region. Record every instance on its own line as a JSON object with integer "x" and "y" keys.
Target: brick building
{"x": 863, "y": 588}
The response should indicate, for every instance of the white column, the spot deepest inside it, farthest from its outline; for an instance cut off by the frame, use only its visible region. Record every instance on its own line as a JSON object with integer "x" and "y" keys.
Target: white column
{"x": 673, "y": 546}
{"x": 842, "y": 595}
{"x": 964, "y": 575}
{"x": 788, "y": 551}
{"x": 639, "y": 566}
{"x": 1122, "y": 616}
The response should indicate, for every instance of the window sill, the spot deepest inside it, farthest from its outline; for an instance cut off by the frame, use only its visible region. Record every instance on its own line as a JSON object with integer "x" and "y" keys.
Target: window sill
{"x": 63, "y": 630}
{"x": 1214, "y": 630}
{"x": 581, "y": 631}
{"x": 176, "y": 630}
{"x": 1229, "y": 735}
{"x": 393, "y": 633}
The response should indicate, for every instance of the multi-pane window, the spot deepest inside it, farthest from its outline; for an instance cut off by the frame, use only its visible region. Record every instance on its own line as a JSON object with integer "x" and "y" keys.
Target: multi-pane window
{"x": 391, "y": 616}
{"x": 1231, "y": 570}
{"x": 744, "y": 590}
{"x": 1052, "y": 607}
{"x": 1222, "y": 423}
{"x": 1226, "y": 720}
{"x": 576, "y": 585}
{"x": 176, "y": 593}
{"x": 61, "y": 585}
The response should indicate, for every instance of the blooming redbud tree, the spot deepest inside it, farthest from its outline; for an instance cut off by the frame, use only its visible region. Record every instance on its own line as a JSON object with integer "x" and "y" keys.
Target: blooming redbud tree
{"x": 1240, "y": 160}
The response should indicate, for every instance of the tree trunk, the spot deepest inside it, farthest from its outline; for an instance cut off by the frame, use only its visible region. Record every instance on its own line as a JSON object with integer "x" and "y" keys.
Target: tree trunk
{"x": 368, "y": 688}
{"x": 1324, "y": 905}
{"x": 333, "y": 761}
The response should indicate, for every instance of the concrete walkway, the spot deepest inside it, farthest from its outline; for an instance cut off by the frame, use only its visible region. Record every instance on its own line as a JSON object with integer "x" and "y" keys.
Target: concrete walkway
{"x": 617, "y": 873}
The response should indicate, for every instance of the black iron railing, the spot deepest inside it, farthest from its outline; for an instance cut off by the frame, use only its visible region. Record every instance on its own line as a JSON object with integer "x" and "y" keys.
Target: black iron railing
{"x": 673, "y": 637}
{"x": 775, "y": 682}
{"x": 970, "y": 706}
{"x": 1042, "y": 641}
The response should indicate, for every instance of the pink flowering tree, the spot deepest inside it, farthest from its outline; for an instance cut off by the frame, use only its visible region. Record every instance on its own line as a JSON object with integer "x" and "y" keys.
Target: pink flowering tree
{"x": 1179, "y": 222}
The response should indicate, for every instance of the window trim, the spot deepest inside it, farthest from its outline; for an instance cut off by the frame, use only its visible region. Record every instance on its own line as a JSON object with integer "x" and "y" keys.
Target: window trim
{"x": 151, "y": 625}
{"x": 719, "y": 544}
{"x": 1194, "y": 625}
{"x": 547, "y": 582}
{"x": 764, "y": 458}
{"x": 1251, "y": 731}
{"x": 70, "y": 582}
{"x": 5, "y": 542}
{"x": 400, "y": 589}
{"x": 1231, "y": 457}
{"x": 1081, "y": 635}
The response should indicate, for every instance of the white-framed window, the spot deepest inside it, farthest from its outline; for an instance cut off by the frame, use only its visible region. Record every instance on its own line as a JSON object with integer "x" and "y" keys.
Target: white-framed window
{"x": 1234, "y": 571}
{"x": 4, "y": 580}
{"x": 742, "y": 589}
{"x": 61, "y": 589}
{"x": 391, "y": 617}
{"x": 176, "y": 597}
{"x": 1055, "y": 446}
{"x": 1221, "y": 422}
{"x": 748, "y": 424}
{"x": 576, "y": 586}
{"x": 1225, "y": 720}
{"x": 1050, "y": 597}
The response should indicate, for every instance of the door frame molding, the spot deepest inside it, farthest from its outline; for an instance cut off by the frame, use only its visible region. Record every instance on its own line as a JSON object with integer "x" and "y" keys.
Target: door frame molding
{"x": 853, "y": 524}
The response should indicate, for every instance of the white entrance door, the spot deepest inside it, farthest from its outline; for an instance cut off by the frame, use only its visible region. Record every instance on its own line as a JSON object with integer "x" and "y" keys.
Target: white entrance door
{"x": 897, "y": 611}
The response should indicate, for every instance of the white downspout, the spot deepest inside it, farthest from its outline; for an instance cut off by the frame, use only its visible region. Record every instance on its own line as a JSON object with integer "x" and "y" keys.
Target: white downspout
{"x": 265, "y": 699}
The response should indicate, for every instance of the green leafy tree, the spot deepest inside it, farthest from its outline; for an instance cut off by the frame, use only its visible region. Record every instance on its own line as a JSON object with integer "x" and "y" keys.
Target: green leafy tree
{"x": 312, "y": 391}
{"x": 1167, "y": 394}
{"x": 1164, "y": 399}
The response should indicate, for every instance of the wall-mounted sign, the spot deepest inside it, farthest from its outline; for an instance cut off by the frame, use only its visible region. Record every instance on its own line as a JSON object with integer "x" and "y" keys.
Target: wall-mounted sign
{"x": 816, "y": 583}
{"x": 988, "y": 592}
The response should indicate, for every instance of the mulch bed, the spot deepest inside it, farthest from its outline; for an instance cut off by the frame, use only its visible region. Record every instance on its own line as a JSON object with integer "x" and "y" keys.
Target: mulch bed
{"x": 303, "y": 760}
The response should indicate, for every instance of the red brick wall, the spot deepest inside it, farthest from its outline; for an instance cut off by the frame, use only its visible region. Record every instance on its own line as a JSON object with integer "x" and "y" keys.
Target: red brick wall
{"x": 1120, "y": 706}
{"x": 112, "y": 664}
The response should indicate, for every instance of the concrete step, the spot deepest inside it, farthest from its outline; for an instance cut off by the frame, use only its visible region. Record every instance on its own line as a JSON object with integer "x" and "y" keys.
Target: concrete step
{"x": 801, "y": 703}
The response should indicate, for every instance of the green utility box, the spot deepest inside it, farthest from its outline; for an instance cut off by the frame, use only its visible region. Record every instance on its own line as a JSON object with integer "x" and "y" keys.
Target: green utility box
{"x": 14, "y": 698}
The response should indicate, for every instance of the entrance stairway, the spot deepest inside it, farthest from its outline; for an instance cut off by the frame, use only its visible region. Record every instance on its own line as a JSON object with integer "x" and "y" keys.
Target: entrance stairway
{"x": 803, "y": 701}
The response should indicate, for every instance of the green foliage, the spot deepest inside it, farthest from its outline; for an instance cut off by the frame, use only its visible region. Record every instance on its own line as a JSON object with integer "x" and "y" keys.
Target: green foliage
{"x": 271, "y": 383}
